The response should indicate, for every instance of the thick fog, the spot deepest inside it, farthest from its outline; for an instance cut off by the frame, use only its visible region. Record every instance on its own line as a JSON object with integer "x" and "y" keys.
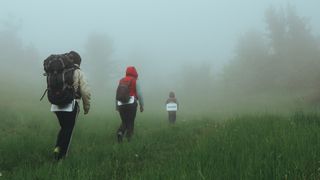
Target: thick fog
{"x": 216, "y": 55}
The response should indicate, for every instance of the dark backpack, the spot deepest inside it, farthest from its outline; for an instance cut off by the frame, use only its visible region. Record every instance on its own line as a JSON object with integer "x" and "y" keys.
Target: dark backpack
{"x": 59, "y": 70}
{"x": 123, "y": 90}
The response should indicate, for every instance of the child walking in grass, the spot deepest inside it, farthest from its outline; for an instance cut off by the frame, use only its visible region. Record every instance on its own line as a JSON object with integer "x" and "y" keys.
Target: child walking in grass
{"x": 172, "y": 107}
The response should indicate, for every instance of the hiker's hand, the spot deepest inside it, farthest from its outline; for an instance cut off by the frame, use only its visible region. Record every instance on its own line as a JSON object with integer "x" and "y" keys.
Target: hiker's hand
{"x": 141, "y": 109}
{"x": 86, "y": 109}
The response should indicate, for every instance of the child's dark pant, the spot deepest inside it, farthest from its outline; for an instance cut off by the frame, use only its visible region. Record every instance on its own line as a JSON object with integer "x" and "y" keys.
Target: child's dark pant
{"x": 67, "y": 121}
{"x": 172, "y": 116}
{"x": 128, "y": 114}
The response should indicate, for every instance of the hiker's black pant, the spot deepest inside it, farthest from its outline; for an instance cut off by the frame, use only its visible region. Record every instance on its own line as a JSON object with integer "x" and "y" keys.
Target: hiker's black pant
{"x": 172, "y": 116}
{"x": 128, "y": 114}
{"x": 67, "y": 121}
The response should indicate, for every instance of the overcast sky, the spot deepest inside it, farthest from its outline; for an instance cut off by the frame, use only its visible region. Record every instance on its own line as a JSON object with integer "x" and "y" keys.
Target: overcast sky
{"x": 162, "y": 30}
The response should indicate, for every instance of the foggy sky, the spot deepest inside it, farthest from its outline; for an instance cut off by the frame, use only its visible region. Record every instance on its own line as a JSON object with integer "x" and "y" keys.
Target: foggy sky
{"x": 161, "y": 30}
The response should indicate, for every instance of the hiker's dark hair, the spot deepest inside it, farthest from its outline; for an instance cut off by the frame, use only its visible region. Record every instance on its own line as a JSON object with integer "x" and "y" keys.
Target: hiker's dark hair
{"x": 171, "y": 94}
{"x": 75, "y": 57}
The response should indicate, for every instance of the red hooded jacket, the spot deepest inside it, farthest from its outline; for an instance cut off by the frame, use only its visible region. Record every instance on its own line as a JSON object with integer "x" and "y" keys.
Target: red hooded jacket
{"x": 131, "y": 75}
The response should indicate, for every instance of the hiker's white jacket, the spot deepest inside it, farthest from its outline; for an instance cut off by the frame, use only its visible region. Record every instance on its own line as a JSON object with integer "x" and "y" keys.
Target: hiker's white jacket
{"x": 80, "y": 84}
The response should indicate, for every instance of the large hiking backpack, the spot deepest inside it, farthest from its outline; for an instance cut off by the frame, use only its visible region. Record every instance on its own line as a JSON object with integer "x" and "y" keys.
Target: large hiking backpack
{"x": 59, "y": 70}
{"x": 123, "y": 90}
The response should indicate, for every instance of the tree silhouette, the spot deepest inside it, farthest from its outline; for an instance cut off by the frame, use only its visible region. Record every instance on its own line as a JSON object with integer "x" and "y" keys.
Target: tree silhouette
{"x": 98, "y": 59}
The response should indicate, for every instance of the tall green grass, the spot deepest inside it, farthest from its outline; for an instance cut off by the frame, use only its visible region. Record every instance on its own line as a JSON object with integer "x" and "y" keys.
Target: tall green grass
{"x": 260, "y": 146}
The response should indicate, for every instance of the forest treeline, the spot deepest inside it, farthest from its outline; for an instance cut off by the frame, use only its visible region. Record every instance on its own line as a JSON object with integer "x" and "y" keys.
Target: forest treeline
{"x": 276, "y": 67}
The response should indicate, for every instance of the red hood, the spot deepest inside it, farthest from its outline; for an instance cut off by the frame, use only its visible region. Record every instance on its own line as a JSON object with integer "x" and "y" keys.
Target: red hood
{"x": 131, "y": 71}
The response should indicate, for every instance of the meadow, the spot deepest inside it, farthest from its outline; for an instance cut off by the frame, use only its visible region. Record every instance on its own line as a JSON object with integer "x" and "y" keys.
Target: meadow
{"x": 248, "y": 110}
{"x": 252, "y": 146}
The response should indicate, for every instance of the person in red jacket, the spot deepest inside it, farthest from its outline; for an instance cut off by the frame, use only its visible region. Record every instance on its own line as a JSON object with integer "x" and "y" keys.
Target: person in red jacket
{"x": 127, "y": 110}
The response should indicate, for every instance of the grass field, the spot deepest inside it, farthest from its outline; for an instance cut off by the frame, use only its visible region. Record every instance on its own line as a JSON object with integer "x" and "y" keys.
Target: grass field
{"x": 261, "y": 146}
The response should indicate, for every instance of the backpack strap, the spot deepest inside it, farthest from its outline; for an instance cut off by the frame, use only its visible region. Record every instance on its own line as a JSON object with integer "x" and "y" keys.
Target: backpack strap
{"x": 44, "y": 94}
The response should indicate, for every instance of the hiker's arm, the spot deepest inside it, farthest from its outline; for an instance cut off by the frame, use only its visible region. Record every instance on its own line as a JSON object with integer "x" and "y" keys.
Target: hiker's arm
{"x": 177, "y": 103}
{"x": 85, "y": 92}
{"x": 140, "y": 97}
{"x": 167, "y": 101}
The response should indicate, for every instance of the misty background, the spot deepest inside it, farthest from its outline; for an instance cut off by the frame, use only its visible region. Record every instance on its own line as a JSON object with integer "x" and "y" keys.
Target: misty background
{"x": 217, "y": 56}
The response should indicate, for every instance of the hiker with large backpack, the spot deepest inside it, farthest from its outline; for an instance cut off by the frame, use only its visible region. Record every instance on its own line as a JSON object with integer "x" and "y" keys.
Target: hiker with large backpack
{"x": 172, "y": 107}
{"x": 66, "y": 85}
{"x": 127, "y": 97}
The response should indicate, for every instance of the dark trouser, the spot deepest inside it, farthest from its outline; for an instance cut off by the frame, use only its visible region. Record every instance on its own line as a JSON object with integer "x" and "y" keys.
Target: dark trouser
{"x": 128, "y": 114}
{"x": 172, "y": 116}
{"x": 67, "y": 121}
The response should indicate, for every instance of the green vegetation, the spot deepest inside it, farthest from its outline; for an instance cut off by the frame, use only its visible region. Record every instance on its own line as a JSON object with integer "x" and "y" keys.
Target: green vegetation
{"x": 261, "y": 146}
{"x": 276, "y": 70}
